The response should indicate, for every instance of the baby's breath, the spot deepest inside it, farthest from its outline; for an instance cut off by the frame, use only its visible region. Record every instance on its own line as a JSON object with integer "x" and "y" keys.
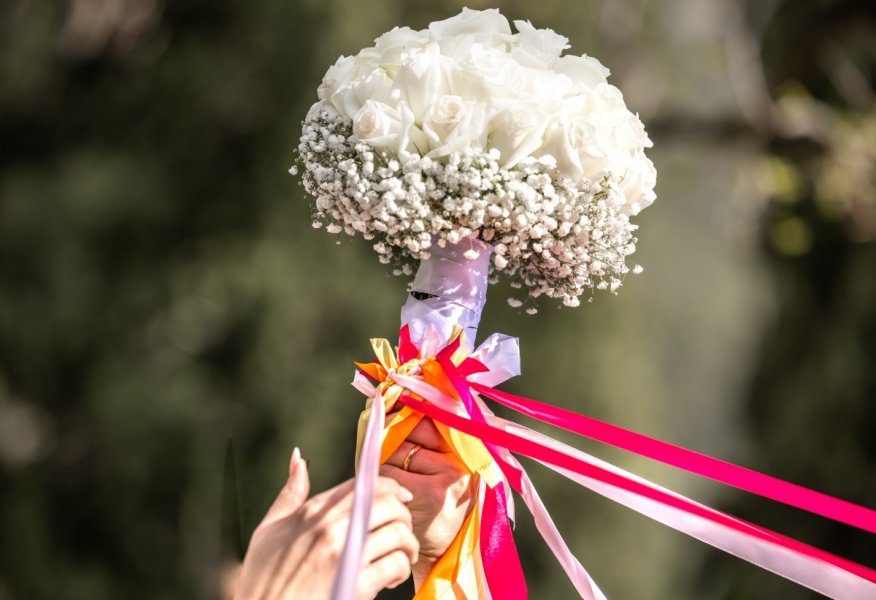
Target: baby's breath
{"x": 555, "y": 236}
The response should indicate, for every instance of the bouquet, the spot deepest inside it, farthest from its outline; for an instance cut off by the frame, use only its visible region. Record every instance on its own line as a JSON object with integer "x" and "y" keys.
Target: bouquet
{"x": 467, "y": 131}
{"x": 465, "y": 151}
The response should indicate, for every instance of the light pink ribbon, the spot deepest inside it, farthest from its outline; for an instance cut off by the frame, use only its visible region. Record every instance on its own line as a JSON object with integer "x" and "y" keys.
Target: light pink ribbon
{"x": 347, "y": 576}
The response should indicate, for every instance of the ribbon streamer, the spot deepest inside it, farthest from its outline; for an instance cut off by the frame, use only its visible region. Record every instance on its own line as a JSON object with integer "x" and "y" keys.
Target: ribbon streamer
{"x": 350, "y": 564}
{"x": 688, "y": 460}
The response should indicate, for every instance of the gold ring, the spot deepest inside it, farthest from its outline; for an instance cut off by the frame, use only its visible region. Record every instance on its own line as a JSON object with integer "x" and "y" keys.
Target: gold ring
{"x": 410, "y": 455}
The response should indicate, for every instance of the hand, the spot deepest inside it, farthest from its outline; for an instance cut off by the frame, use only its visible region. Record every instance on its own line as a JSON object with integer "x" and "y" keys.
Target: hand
{"x": 294, "y": 552}
{"x": 443, "y": 492}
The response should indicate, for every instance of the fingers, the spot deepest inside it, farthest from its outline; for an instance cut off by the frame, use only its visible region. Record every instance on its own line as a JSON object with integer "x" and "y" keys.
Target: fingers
{"x": 334, "y": 505}
{"x": 408, "y": 479}
{"x": 424, "y": 434}
{"x": 388, "y": 485}
{"x": 393, "y": 536}
{"x": 298, "y": 486}
{"x": 390, "y": 544}
{"x": 428, "y": 436}
{"x": 387, "y": 572}
{"x": 453, "y": 484}
{"x": 293, "y": 494}
{"x": 424, "y": 461}
{"x": 389, "y": 508}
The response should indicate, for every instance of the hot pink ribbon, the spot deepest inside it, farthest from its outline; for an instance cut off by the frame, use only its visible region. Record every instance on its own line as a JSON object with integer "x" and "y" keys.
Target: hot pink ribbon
{"x": 688, "y": 460}
{"x": 502, "y": 568}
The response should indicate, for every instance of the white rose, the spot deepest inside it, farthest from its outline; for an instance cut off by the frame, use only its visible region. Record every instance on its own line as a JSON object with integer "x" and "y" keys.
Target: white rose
{"x": 637, "y": 183}
{"x": 471, "y": 21}
{"x": 585, "y": 71}
{"x": 459, "y": 48}
{"x": 631, "y": 134}
{"x": 393, "y": 44}
{"x": 597, "y": 136}
{"x": 620, "y": 129}
{"x": 489, "y": 74}
{"x": 545, "y": 85}
{"x": 538, "y": 48}
{"x": 350, "y": 98}
{"x": 617, "y": 134}
{"x": 452, "y": 124}
{"x": 609, "y": 98}
{"x": 318, "y": 107}
{"x": 517, "y": 132}
{"x": 382, "y": 126}
{"x": 576, "y": 138}
{"x": 422, "y": 78}
{"x": 564, "y": 140}
{"x": 337, "y": 75}
{"x": 345, "y": 70}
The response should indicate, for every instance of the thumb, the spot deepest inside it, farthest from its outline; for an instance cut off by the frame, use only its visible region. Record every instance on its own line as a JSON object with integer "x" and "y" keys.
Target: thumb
{"x": 293, "y": 494}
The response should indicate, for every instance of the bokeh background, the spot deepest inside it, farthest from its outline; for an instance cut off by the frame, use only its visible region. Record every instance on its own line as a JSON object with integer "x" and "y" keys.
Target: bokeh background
{"x": 171, "y": 326}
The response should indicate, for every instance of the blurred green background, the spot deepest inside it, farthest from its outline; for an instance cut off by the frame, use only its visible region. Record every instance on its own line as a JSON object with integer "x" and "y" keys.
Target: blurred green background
{"x": 171, "y": 326}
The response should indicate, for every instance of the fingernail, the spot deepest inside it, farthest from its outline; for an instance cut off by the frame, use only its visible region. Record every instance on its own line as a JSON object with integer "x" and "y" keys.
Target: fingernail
{"x": 294, "y": 462}
{"x": 307, "y": 463}
{"x": 407, "y": 495}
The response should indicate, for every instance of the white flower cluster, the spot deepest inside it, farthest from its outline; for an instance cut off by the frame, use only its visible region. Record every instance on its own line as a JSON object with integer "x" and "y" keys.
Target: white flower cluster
{"x": 467, "y": 130}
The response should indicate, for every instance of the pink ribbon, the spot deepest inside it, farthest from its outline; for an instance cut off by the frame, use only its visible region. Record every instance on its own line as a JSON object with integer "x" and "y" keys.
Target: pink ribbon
{"x": 688, "y": 460}
{"x": 502, "y": 567}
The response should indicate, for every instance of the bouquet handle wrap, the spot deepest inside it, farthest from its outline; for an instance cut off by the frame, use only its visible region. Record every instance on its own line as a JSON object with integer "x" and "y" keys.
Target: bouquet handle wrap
{"x": 455, "y": 278}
